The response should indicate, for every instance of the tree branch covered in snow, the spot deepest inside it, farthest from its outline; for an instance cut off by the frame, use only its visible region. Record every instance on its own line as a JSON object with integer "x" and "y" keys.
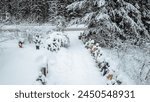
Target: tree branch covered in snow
{"x": 110, "y": 21}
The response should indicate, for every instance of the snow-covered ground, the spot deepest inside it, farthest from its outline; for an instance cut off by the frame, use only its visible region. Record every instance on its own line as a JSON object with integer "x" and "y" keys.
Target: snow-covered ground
{"x": 73, "y": 65}
{"x": 17, "y": 66}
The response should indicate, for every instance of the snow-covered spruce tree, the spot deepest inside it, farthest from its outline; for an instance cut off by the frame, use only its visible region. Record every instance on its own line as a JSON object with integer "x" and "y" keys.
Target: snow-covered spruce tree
{"x": 58, "y": 11}
{"x": 28, "y": 10}
{"x": 39, "y": 11}
{"x": 110, "y": 21}
{"x": 144, "y": 7}
{"x": 62, "y": 10}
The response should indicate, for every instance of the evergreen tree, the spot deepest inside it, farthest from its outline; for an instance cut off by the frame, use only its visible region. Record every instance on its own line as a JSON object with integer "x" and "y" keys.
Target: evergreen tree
{"x": 144, "y": 7}
{"x": 39, "y": 10}
{"x": 62, "y": 10}
{"x": 111, "y": 20}
{"x": 32, "y": 10}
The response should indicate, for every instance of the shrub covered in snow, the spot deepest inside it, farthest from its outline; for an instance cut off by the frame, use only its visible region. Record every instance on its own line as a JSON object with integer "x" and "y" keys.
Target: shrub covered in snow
{"x": 56, "y": 40}
{"x": 41, "y": 79}
{"x": 37, "y": 41}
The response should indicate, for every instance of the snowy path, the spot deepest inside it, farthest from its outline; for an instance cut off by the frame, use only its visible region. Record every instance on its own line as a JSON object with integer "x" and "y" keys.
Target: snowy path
{"x": 74, "y": 65}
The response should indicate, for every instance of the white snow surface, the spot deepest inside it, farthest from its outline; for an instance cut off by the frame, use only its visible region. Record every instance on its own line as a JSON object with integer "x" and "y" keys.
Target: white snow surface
{"x": 18, "y": 66}
{"x": 73, "y": 65}
{"x": 68, "y": 66}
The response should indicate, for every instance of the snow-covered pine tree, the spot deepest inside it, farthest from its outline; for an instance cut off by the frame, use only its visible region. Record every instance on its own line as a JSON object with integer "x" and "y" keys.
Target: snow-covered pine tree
{"x": 111, "y": 20}
{"x": 39, "y": 10}
{"x": 144, "y": 7}
{"x": 58, "y": 11}
{"x": 5, "y": 10}
{"x": 28, "y": 10}
{"x": 52, "y": 11}
{"x": 62, "y": 10}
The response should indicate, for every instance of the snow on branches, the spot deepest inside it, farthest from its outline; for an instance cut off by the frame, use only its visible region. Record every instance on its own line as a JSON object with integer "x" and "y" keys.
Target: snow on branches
{"x": 110, "y": 21}
{"x": 56, "y": 40}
